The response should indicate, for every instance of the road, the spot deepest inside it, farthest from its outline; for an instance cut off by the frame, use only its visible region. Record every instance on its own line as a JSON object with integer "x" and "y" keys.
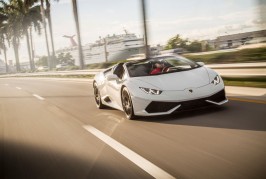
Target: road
{"x": 52, "y": 129}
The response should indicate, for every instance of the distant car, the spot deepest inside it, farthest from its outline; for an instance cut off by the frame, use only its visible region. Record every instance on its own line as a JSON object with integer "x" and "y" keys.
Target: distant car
{"x": 43, "y": 68}
{"x": 61, "y": 66}
{"x": 185, "y": 85}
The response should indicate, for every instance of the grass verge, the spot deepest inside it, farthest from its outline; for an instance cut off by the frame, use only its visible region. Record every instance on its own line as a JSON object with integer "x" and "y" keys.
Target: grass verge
{"x": 245, "y": 84}
{"x": 257, "y": 82}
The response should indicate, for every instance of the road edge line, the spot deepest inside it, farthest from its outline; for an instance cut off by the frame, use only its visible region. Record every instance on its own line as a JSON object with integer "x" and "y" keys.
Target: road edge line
{"x": 38, "y": 97}
{"x": 138, "y": 160}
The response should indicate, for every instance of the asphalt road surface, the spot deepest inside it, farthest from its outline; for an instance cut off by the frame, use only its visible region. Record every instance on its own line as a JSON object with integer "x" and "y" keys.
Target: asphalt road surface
{"x": 52, "y": 129}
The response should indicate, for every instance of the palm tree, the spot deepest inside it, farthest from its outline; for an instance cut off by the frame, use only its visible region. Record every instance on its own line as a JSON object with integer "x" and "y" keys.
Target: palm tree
{"x": 3, "y": 35}
{"x": 14, "y": 27}
{"x": 48, "y": 14}
{"x": 75, "y": 12}
{"x": 29, "y": 14}
{"x": 45, "y": 32}
{"x": 35, "y": 20}
{"x": 22, "y": 14}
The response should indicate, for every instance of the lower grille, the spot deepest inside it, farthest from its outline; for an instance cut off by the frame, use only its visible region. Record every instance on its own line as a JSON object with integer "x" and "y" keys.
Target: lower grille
{"x": 156, "y": 106}
{"x": 218, "y": 97}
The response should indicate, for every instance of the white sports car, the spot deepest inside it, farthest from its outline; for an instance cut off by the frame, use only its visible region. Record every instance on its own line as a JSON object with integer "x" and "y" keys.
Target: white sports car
{"x": 158, "y": 86}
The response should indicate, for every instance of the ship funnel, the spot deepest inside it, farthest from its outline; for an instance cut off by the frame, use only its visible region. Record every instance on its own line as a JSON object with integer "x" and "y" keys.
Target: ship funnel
{"x": 72, "y": 41}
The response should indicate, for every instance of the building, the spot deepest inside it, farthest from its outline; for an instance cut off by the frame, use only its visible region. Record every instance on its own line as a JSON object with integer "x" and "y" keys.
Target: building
{"x": 236, "y": 40}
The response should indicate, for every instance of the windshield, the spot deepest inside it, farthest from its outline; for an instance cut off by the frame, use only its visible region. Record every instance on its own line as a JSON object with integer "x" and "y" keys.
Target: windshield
{"x": 160, "y": 65}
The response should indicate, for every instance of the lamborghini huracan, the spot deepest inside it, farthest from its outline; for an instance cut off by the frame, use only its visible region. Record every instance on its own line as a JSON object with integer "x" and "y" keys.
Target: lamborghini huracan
{"x": 158, "y": 86}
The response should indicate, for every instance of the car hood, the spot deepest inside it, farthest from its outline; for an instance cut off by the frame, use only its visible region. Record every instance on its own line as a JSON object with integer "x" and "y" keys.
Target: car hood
{"x": 178, "y": 80}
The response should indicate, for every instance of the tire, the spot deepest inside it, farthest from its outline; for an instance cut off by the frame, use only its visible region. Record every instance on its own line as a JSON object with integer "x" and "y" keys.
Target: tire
{"x": 97, "y": 97}
{"x": 127, "y": 104}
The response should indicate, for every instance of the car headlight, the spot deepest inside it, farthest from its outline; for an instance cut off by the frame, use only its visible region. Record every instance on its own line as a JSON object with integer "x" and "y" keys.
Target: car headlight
{"x": 216, "y": 80}
{"x": 151, "y": 91}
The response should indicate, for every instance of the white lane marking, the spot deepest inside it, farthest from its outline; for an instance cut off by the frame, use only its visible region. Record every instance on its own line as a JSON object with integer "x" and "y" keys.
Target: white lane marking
{"x": 18, "y": 88}
{"x": 37, "y": 96}
{"x": 141, "y": 162}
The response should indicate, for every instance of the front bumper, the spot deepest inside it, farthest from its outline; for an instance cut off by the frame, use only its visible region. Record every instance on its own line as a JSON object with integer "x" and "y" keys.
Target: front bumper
{"x": 153, "y": 107}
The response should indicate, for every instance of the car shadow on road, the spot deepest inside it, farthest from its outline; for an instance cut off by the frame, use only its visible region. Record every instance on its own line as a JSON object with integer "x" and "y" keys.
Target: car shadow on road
{"x": 233, "y": 115}
{"x": 21, "y": 160}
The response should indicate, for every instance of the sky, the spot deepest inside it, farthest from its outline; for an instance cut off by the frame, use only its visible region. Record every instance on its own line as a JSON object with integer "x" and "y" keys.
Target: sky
{"x": 193, "y": 19}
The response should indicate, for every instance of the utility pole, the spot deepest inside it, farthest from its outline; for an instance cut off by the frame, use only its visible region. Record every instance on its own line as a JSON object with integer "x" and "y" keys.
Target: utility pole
{"x": 143, "y": 6}
{"x": 75, "y": 12}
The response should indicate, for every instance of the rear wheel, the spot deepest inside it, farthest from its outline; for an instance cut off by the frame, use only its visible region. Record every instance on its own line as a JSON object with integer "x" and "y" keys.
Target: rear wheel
{"x": 127, "y": 104}
{"x": 97, "y": 97}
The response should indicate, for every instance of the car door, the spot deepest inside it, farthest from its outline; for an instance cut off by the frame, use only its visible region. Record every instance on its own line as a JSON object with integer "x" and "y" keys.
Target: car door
{"x": 114, "y": 86}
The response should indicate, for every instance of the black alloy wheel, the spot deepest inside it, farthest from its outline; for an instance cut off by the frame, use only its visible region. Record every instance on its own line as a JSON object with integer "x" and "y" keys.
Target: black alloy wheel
{"x": 97, "y": 97}
{"x": 127, "y": 104}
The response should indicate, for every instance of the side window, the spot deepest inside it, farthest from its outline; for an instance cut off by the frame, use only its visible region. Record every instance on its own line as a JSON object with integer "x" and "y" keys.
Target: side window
{"x": 119, "y": 70}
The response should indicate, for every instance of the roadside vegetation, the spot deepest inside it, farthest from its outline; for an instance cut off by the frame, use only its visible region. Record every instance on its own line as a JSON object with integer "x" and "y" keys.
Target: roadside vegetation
{"x": 241, "y": 56}
{"x": 64, "y": 59}
{"x": 19, "y": 19}
{"x": 187, "y": 45}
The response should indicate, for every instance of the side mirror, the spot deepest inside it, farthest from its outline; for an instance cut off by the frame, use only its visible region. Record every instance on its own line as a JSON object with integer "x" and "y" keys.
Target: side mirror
{"x": 201, "y": 63}
{"x": 112, "y": 77}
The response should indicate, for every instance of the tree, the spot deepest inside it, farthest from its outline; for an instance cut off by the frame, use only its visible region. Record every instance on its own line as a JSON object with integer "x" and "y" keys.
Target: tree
{"x": 22, "y": 14}
{"x": 208, "y": 47}
{"x": 176, "y": 42}
{"x": 75, "y": 12}
{"x": 14, "y": 27}
{"x": 194, "y": 46}
{"x": 3, "y": 35}
{"x": 30, "y": 15}
{"x": 65, "y": 59}
{"x": 48, "y": 15}
{"x": 43, "y": 61}
{"x": 191, "y": 46}
{"x": 45, "y": 32}
{"x": 36, "y": 20}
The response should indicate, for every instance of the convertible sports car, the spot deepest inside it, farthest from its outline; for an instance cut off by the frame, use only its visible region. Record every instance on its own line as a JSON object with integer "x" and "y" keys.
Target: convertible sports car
{"x": 158, "y": 86}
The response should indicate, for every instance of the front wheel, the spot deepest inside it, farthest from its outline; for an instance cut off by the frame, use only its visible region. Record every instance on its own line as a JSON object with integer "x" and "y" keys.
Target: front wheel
{"x": 127, "y": 104}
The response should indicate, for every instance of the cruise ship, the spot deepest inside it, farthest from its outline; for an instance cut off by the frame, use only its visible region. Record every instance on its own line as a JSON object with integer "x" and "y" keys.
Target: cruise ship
{"x": 107, "y": 49}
